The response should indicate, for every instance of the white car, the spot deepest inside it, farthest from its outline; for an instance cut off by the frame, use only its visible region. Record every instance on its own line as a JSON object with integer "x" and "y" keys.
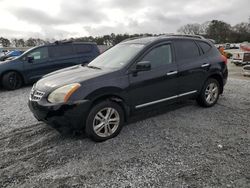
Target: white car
{"x": 246, "y": 70}
{"x": 241, "y": 58}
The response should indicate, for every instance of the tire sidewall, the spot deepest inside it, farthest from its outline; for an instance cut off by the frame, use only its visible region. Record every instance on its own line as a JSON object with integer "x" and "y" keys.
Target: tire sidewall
{"x": 5, "y": 80}
{"x": 89, "y": 129}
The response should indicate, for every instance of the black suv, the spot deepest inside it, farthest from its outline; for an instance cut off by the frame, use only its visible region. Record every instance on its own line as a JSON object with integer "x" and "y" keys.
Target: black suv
{"x": 41, "y": 60}
{"x": 134, "y": 74}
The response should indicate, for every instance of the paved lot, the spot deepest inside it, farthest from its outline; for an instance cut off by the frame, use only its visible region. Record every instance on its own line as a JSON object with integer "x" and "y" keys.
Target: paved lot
{"x": 183, "y": 145}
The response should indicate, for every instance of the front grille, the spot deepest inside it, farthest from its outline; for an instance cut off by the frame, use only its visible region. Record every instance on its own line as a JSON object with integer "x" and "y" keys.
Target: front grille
{"x": 36, "y": 95}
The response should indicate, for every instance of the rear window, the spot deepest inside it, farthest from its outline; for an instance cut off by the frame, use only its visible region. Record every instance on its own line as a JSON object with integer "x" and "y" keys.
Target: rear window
{"x": 83, "y": 48}
{"x": 61, "y": 50}
{"x": 186, "y": 49}
{"x": 204, "y": 46}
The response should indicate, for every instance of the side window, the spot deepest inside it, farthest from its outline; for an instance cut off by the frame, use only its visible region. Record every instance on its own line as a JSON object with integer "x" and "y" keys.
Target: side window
{"x": 39, "y": 54}
{"x": 204, "y": 46}
{"x": 83, "y": 48}
{"x": 61, "y": 51}
{"x": 159, "y": 56}
{"x": 186, "y": 49}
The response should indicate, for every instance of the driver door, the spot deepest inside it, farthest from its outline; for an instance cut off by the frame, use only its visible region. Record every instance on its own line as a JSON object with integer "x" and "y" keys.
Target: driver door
{"x": 37, "y": 63}
{"x": 158, "y": 84}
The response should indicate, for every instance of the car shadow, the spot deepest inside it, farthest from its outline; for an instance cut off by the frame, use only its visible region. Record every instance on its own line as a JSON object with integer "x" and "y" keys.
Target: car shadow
{"x": 145, "y": 113}
{"x": 2, "y": 90}
{"x": 157, "y": 110}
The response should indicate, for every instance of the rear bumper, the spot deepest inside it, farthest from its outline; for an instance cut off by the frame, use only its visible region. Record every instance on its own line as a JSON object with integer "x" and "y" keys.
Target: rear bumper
{"x": 65, "y": 115}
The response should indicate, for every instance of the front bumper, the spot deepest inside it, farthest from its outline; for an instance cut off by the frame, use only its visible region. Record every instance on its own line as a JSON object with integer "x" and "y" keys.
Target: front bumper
{"x": 71, "y": 115}
{"x": 246, "y": 73}
{"x": 239, "y": 62}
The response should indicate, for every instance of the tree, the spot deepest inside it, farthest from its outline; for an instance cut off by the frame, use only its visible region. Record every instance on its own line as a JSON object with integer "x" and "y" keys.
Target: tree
{"x": 4, "y": 42}
{"x": 20, "y": 43}
{"x": 241, "y": 32}
{"x": 191, "y": 29}
{"x": 30, "y": 42}
{"x": 219, "y": 31}
{"x": 14, "y": 42}
{"x": 99, "y": 41}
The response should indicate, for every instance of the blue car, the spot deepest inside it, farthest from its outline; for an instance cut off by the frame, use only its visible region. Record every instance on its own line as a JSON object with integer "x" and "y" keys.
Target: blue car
{"x": 11, "y": 54}
{"x": 38, "y": 61}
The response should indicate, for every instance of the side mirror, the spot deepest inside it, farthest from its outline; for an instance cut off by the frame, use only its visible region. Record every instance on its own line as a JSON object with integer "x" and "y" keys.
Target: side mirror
{"x": 30, "y": 59}
{"x": 143, "y": 66}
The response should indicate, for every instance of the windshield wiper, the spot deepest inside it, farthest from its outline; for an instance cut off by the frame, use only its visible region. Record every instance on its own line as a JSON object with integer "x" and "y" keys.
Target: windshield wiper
{"x": 93, "y": 67}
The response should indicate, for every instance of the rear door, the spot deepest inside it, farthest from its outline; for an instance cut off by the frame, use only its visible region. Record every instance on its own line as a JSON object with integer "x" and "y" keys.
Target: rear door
{"x": 85, "y": 53}
{"x": 63, "y": 55}
{"x": 193, "y": 66}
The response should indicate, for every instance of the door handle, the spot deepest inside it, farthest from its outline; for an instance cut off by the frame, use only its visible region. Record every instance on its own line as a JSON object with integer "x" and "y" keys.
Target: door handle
{"x": 205, "y": 65}
{"x": 171, "y": 73}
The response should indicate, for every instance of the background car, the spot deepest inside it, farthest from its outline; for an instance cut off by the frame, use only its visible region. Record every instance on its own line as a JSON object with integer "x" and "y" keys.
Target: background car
{"x": 3, "y": 51}
{"x": 246, "y": 70}
{"x": 41, "y": 60}
{"x": 241, "y": 58}
{"x": 13, "y": 53}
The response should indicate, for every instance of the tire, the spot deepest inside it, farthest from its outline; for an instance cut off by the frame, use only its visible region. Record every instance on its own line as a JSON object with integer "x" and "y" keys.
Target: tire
{"x": 12, "y": 80}
{"x": 209, "y": 94}
{"x": 98, "y": 125}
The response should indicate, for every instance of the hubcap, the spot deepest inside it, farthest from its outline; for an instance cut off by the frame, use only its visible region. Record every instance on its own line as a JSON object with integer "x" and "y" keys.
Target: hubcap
{"x": 211, "y": 93}
{"x": 106, "y": 122}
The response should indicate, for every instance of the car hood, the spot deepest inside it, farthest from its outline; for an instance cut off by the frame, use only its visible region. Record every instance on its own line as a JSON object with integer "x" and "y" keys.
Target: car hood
{"x": 75, "y": 74}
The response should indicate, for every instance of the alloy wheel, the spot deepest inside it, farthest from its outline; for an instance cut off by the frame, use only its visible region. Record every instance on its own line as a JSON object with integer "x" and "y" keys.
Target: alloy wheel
{"x": 211, "y": 93}
{"x": 106, "y": 122}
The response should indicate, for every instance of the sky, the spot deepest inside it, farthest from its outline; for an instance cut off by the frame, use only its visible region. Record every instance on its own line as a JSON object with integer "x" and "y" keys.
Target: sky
{"x": 60, "y": 19}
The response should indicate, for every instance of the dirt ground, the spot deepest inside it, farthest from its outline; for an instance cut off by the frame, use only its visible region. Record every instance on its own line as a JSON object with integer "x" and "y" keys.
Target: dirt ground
{"x": 181, "y": 145}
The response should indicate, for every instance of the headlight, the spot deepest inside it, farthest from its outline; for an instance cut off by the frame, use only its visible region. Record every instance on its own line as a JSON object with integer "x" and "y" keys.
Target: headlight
{"x": 63, "y": 93}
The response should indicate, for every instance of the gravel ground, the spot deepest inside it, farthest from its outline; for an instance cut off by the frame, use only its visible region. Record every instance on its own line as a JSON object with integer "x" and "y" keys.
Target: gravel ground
{"x": 182, "y": 145}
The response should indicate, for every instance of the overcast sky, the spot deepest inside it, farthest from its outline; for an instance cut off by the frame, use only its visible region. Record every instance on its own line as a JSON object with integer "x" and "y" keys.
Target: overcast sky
{"x": 74, "y": 18}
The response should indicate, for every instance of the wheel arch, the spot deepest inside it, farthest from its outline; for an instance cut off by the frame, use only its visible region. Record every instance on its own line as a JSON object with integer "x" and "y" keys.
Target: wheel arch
{"x": 13, "y": 70}
{"x": 219, "y": 78}
{"x": 110, "y": 93}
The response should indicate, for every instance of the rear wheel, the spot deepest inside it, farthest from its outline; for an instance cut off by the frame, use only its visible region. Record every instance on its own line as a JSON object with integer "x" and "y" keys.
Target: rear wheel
{"x": 210, "y": 93}
{"x": 104, "y": 121}
{"x": 12, "y": 80}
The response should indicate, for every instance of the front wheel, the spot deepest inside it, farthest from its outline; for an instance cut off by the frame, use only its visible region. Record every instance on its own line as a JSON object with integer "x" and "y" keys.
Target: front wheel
{"x": 209, "y": 94}
{"x": 12, "y": 80}
{"x": 104, "y": 121}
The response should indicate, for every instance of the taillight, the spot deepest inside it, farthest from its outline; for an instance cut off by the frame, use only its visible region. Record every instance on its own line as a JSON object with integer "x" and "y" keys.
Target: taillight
{"x": 224, "y": 59}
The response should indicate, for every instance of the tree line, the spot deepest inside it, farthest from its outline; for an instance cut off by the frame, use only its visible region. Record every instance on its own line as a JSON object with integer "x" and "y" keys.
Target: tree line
{"x": 108, "y": 40}
{"x": 220, "y": 31}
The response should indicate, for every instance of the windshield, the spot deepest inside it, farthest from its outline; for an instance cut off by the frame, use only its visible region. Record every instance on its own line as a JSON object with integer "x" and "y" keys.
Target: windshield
{"x": 116, "y": 57}
{"x": 27, "y": 51}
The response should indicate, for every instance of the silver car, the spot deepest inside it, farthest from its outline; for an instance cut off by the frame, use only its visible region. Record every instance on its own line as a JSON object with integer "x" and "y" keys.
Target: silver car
{"x": 246, "y": 70}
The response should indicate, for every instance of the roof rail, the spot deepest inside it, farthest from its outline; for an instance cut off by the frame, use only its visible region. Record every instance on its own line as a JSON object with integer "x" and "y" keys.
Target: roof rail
{"x": 133, "y": 38}
{"x": 185, "y": 35}
{"x": 63, "y": 42}
{"x": 166, "y": 35}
